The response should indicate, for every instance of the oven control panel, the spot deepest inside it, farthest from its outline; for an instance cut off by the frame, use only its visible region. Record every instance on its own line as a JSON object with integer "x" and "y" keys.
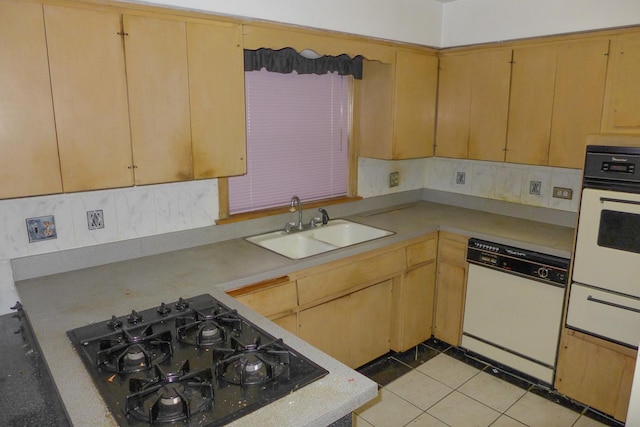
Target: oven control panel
{"x": 522, "y": 262}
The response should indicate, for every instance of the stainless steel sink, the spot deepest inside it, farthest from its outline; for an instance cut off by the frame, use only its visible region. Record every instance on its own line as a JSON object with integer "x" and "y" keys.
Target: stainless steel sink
{"x": 334, "y": 235}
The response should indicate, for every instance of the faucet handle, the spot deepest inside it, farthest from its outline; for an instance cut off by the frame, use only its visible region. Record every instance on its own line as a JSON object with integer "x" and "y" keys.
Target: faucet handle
{"x": 325, "y": 216}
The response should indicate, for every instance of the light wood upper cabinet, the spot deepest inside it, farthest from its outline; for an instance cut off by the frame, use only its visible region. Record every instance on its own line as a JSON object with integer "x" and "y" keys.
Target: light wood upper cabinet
{"x": 556, "y": 101}
{"x": 158, "y": 81}
{"x": 216, "y": 93}
{"x": 531, "y": 104}
{"x": 28, "y": 153}
{"x": 490, "y": 80}
{"x": 473, "y": 104}
{"x": 454, "y": 103}
{"x": 577, "y": 102}
{"x": 90, "y": 98}
{"x": 622, "y": 103}
{"x": 396, "y": 106}
{"x": 415, "y": 104}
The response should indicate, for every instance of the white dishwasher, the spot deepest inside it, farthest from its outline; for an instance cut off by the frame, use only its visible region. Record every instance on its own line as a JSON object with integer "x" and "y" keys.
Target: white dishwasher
{"x": 513, "y": 307}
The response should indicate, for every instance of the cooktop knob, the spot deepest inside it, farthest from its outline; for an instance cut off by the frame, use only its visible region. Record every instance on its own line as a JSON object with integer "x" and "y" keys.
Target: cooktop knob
{"x": 134, "y": 317}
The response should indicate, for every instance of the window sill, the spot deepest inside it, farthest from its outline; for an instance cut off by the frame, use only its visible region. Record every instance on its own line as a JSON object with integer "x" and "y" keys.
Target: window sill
{"x": 284, "y": 209}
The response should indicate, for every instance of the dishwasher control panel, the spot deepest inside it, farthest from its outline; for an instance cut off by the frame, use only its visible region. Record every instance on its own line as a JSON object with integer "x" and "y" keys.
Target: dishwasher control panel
{"x": 522, "y": 262}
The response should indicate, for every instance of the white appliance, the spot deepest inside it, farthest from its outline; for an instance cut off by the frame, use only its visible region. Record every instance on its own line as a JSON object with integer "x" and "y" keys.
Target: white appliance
{"x": 513, "y": 307}
{"x": 605, "y": 294}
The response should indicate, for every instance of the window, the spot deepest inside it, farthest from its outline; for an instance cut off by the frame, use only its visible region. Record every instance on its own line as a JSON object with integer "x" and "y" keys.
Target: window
{"x": 297, "y": 140}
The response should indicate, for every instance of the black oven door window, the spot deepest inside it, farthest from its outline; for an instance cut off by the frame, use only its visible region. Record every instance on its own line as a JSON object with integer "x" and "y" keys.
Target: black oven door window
{"x": 619, "y": 230}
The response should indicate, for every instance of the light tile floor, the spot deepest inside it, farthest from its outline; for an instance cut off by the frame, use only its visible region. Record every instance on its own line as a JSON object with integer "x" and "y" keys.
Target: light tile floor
{"x": 436, "y": 385}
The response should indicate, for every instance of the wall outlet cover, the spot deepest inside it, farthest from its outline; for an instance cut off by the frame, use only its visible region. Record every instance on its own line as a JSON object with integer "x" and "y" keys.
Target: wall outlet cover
{"x": 95, "y": 219}
{"x": 563, "y": 193}
{"x": 41, "y": 228}
{"x": 460, "y": 178}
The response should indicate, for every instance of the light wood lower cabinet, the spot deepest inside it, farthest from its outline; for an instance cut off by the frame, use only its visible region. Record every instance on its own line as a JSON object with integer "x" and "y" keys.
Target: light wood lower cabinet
{"x": 595, "y": 372}
{"x": 413, "y": 296}
{"x": 451, "y": 285}
{"x": 354, "y": 329}
{"x": 275, "y": 299}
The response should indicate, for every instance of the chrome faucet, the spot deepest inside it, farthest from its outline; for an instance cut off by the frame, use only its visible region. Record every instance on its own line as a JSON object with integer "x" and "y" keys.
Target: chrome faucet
{"x": 294, "y": 206}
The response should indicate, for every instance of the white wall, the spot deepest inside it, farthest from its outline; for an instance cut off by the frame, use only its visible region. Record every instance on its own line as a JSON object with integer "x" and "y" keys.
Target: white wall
{"x": 415, "y": 21}
{"x": 476, "y": 21}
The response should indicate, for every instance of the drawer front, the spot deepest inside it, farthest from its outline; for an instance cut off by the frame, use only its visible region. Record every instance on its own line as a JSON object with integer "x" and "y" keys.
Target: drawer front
{"x": 604, "y": 314}
{"x": 422, "y": 252}
{"x": 452, "y": 251}
{"x": 272, "y": 300}
{"x": 344, "y": 277}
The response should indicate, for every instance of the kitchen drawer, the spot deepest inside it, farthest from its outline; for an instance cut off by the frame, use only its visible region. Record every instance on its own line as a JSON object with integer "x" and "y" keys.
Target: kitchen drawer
{"x": 273, "y": 299}
{"x": 605, "y": 314}
{"x": 453, "y": 249}
{"x": 422, "y": 252}
{"x": 341, "y": 276}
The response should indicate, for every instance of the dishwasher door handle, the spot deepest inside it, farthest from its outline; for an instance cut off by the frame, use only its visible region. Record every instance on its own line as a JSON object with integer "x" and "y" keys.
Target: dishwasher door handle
{"x": 612, "y": 304}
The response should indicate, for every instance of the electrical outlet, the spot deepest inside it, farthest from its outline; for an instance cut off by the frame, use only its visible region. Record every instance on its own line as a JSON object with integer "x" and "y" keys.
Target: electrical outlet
{"x": 460, "y": 178}
{"x": 534, "y": 187}
{"x": 563, "y": 193}
{"x": 41, "y": 228}
{"x": 95, "y": 219}
{"x": 394, "y": 179}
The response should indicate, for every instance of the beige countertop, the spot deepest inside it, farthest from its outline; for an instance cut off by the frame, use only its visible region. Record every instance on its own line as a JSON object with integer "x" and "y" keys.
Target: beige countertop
{"x": 60, "y": 302}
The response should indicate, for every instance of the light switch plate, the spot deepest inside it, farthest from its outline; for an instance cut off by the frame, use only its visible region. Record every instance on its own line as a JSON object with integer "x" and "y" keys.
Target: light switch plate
{"x": 41, "y": 228}
{"x": 535, "y": 187}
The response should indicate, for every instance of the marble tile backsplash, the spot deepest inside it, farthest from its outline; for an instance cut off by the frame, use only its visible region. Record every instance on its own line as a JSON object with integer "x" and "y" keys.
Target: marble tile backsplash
{"x": 135, "y": 212}
{"x": 128, "y": 213}
{"x": 505, "y": 181}
{"x": 492, "y": 180}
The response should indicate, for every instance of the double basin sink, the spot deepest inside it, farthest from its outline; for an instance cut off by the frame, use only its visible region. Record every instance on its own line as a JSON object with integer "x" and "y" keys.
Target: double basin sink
{"x": 336, "y": 234}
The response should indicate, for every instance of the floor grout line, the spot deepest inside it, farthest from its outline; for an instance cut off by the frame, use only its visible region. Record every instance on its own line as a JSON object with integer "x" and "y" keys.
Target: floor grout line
{"x": 495, "y": 372}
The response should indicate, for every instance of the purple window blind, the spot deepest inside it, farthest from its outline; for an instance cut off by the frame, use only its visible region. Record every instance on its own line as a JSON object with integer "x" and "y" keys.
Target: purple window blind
{"x": 297, "y": 129}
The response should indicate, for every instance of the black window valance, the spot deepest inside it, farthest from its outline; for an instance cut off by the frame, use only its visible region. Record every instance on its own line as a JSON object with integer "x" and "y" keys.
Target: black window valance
{"x": 287, "y": 60}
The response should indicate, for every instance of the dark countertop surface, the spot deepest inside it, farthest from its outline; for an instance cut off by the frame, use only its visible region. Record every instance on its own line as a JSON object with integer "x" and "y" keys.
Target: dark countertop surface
{"x": 29, "y": 397}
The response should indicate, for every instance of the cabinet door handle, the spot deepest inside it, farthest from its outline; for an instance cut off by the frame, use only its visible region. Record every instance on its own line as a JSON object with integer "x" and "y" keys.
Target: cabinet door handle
{"x": 612, "y": 304}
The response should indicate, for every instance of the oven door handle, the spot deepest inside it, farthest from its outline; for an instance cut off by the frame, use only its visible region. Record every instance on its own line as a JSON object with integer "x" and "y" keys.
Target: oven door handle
{"x": 612, "y": 304}
{"x": 628, "y": 202}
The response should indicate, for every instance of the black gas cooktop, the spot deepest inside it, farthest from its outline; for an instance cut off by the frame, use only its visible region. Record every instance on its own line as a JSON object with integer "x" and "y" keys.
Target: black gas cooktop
{"x": 191, "y": 362}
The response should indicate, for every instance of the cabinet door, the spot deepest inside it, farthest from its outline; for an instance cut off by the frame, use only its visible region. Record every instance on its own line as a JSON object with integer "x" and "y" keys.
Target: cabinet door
{"x": 374, "y": 110}
{"x": 216, "y": 94}
{"x": 414, "y": 312}
{"x": 158, "y": 81}
{"x": 370, "y": 324}
{"x": 454, "y": 102}
{"x": 578, "y": 99}
{"x": 451, "y": 285}
{"x": 531, "y": 104}
{"x": 28, "y": 152}
{"x": 415, "y": 102}
{"x": 596, "y": 375}
{"x": 622, "y": 103}
{"x": 328, "y": 327}
{"x": 90, "y": 98}
{"x": 490, "y": 81}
